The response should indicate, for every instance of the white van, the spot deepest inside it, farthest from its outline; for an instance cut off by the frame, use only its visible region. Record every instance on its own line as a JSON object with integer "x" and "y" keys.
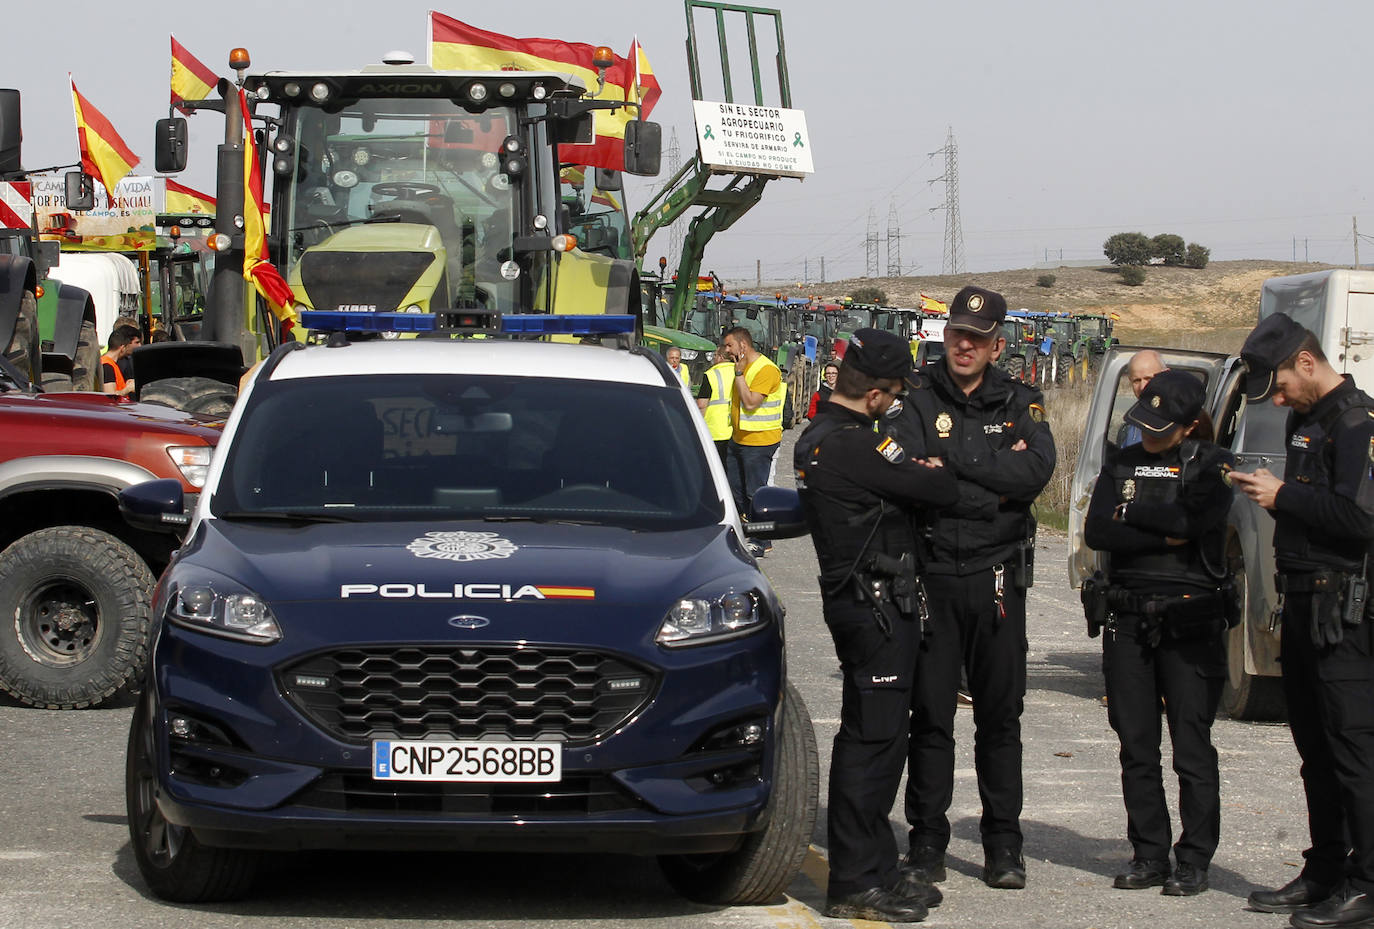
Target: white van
{"x": 112, "y": 280}
{"x": 1338, "y": 306}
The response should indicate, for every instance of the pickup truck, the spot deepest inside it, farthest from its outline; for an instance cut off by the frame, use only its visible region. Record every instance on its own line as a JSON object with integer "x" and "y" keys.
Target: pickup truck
{"x": 76, "y": 580}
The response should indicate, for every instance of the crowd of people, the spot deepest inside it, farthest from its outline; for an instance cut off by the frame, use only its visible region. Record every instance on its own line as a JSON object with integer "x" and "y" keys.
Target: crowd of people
{"x": 918, "y": 486}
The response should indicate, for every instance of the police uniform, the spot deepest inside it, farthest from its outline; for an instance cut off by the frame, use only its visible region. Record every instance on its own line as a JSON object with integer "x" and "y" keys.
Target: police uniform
{"x": 860, "y": 491}
{"x": 1323, "y": 530}
{"x": 1164, "y": 613}
{"x": 978, "y": 559}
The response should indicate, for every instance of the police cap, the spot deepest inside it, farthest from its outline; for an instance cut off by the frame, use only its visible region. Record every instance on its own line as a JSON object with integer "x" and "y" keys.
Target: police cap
{"x": 977, "y": 310}
{"x": 878, "y": 353}
{"x": 1272, "y": 342}
{"x": 1172, "y": 398}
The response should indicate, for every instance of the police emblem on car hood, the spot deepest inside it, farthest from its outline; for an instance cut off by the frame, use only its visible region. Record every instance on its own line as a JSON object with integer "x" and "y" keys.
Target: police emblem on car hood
{"x": 462, "y": 546}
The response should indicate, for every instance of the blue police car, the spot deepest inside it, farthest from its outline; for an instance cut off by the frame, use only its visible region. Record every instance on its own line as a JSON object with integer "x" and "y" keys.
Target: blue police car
{"x": 467, "y": 594}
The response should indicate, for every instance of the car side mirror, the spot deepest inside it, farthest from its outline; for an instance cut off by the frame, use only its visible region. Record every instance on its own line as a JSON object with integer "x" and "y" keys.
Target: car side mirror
{"x": 157, "y": 505}
{"x": 776, "y": 513}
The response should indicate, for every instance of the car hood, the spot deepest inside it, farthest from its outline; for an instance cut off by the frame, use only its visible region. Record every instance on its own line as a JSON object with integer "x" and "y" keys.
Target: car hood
{"x": 106, "y": 411}
{"x": 462, "y": 565}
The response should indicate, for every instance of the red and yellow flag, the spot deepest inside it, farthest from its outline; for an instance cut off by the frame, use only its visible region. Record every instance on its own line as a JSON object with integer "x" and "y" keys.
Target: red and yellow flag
{"x": 456, "y": 46}
{"x": 183, "y": 199}
{"x": 191, "y": 80}
{"x": 104, "y": 155}
{"x": 257, "y": 269}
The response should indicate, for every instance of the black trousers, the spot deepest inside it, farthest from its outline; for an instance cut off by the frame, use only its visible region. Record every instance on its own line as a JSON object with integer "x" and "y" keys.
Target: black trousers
{"x": 1188, "y": 675}
{"x": 1330, "y": 694}
{"x": 870, "y": 748}
{"x": 968, "y": 632}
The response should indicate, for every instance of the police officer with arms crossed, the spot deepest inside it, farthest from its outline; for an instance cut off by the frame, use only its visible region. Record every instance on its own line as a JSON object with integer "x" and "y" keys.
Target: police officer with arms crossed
{"x": 861, "y": 493}
{"x": 1323, "y": 511}
{"x": 1159, "y": 510}
{"x": 990, "y": 430}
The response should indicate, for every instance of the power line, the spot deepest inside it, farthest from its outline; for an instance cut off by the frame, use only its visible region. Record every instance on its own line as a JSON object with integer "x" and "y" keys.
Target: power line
{"x": 954, "y": 232}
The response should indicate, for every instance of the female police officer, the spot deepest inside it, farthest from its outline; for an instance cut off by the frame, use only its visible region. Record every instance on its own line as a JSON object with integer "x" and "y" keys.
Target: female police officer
{"x": 1158, "y": 509}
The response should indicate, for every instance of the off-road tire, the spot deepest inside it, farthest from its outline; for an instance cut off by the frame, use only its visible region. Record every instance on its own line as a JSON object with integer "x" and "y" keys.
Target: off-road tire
{"x": 170, "y": 858}
{"x": 191, "y": 394}
{"x": 74, "y": 606}
{"x": 86, "y": 373}
{"x": 1064, "y": 370}
{"x": 1244, "y": 695}
{"x": 763, "y": 866}
{"x": 1016, "y": 367}
{"x": 24, "y": 350}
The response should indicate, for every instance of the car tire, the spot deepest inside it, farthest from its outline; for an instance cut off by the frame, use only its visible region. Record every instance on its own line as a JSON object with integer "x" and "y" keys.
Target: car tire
{"x": 79, "y": 601}
{"x": 23, "y": 350}
{"x": 763, "y": 866}
{"x": 171, "y": 859}
{"x": 191, "y": 394}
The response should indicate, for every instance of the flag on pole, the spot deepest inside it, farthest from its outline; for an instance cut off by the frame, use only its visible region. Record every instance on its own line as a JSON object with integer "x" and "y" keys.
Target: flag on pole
{"x": 456, "y": 46}
{"x": 183, "y": 199}
{"x": 104, "y": 155}
{"x": 191, "y": 79}
{"x": 257, "y": 269}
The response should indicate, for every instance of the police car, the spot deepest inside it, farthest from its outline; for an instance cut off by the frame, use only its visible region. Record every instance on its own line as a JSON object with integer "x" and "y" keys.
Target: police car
{"x": 468, "y": 594}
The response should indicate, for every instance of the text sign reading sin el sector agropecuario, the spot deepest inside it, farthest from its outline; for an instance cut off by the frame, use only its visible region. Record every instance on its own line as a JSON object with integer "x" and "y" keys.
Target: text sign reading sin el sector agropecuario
{"x": 753, "y": 139}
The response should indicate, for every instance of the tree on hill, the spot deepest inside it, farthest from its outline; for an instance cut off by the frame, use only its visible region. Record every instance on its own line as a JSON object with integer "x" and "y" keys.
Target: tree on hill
{"x": 1128, "y": 248}
{"x": 868, "y": 295}
{"x": 1132, "y": 275}
{"x": 1168, "y": 248}
{"x": 1197, "y": 256}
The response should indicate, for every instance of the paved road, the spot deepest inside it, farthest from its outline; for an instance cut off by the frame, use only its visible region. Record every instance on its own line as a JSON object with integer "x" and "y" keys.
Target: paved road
{"x": 65, "y": 858}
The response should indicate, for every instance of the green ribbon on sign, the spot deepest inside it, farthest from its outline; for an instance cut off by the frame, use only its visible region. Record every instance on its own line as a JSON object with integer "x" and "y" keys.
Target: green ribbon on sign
{"x": 707, "y": 134}
{"x": 797, "y": 142}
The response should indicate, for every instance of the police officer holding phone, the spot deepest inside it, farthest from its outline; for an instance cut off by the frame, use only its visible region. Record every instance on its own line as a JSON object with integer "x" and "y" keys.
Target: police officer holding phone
{"x": 1159, "y": 510}
{"x": 862, "y": 494}
{"x": 1323, "y": 511}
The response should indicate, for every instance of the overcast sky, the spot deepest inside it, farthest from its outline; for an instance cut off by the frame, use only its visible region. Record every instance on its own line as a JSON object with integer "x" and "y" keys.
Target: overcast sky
{"x": 1243, "y": 126}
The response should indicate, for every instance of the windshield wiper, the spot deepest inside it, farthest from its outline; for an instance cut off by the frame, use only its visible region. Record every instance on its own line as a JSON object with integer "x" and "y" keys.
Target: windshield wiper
{"x": 542, "y": 519}
{"x": 288, "y": 516}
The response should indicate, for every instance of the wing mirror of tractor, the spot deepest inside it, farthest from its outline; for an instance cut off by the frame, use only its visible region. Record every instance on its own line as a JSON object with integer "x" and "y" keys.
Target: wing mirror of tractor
{"x": 643, "y": 148}
{"x": 609, "y": 179}
{"x": 80, "y": 191}
{"x": 170, "y": 147}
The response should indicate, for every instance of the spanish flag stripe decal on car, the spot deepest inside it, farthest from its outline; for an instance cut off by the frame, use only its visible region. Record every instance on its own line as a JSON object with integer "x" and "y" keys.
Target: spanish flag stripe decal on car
{"x": 569, "y": 593}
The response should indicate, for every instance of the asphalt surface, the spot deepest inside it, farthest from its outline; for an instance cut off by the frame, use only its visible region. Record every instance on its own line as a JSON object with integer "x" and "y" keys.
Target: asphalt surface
{"x": 65, "y": 858}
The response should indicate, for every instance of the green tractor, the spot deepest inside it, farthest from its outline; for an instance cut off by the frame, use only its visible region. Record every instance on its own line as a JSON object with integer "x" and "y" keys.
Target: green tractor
{"x": 1097, "y": 329}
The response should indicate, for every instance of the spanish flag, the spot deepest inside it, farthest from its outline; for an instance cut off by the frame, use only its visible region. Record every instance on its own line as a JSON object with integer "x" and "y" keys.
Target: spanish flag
{"x": 183, "y": 199}
{"x": 191, "y": 80}
{"x": 456, "y": 46}
{"x": 104, "y": 155}
{"x": 257, "y": 269}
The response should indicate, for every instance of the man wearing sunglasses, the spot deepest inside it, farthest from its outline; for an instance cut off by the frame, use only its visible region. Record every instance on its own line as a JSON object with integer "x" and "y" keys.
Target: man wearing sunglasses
{"x": 990, "y": 430}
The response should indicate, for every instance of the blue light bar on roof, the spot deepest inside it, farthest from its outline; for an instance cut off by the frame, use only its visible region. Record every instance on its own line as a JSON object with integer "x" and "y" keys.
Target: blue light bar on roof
{"x": 559, "y": 324}
{"x": 335, "y": 321}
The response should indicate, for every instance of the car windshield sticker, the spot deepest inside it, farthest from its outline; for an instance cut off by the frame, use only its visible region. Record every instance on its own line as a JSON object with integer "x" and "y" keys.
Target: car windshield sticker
{"x": 461, "y": 546}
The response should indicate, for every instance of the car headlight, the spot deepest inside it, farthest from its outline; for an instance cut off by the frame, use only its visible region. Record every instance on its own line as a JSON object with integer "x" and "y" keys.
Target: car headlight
{"x": 193, "y": 461}
{"x": 695, "y": 620}
{"x": 237, "y": 614}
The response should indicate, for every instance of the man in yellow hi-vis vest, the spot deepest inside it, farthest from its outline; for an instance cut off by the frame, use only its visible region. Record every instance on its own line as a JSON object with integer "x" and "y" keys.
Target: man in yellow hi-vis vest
{"x": 713, "y": 399}
{"x": 756, "y": 418}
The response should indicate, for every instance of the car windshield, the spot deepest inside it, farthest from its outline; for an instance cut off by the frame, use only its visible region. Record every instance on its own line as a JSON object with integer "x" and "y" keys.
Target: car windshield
{"x": 452, "y": 446}
{"x": 411, "y": 161}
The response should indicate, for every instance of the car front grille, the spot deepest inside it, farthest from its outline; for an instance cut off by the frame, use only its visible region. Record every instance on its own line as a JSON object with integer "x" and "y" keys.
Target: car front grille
{"x": 466, "y": 692}
{"x": 359, "y": 793}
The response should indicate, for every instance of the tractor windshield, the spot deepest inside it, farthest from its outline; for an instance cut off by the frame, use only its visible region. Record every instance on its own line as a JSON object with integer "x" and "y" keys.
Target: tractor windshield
{"x": 413, "y": 183}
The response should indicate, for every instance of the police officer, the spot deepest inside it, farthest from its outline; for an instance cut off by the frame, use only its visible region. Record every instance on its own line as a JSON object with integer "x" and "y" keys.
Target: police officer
{"x": 1323, "y": 511}
{"x": 1159, "y": 509}
{"x": 990, "y": 430}
{"x": 861, "y": 491}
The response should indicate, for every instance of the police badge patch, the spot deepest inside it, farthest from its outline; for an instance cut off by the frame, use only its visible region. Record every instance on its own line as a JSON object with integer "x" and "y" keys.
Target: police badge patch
{"x": 943, "y": 424}
{"x": 891, "y": 451}
{"x": 1128, "y": 490}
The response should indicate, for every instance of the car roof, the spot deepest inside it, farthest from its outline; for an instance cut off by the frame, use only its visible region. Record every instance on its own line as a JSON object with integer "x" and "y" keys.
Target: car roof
{"x": 471, "y": 356}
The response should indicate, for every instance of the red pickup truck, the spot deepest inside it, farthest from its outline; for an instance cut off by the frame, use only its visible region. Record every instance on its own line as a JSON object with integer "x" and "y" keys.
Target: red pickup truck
{"x": 76, "y": 580}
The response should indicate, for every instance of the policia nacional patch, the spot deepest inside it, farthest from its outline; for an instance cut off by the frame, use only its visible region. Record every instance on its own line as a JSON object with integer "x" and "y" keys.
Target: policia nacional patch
{"x": 891, "y": 451}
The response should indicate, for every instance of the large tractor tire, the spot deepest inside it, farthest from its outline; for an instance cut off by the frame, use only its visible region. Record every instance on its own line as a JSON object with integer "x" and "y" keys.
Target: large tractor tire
{"x": 1064, "y": 371}
{"x": 74, "y": 603}
{"x": 25, "y": 350}
{"x": 1016, "y": 367}
{"x": 191, "y": 394}
{"x": 170, "y": 858}
{"x": 86, "y": 373}
{"x": 765, "y": 863}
